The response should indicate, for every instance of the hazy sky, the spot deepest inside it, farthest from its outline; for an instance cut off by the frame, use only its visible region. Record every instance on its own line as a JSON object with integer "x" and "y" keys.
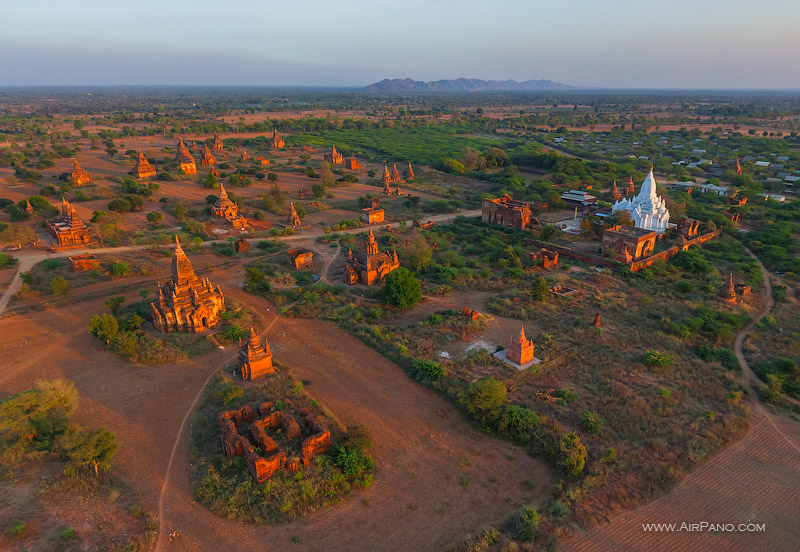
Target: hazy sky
{"x": 607, "y": 43}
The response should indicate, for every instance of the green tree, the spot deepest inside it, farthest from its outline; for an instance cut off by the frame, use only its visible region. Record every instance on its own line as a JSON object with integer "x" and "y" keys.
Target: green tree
{"x": 485, "y": 396}
{"x": 272, "y": 177}
{"x": 526, "y": 522}
{"x": 592, "y": 422}
{"x": 517, "y": 421}
{"x": 401, "y": 289}
{"x": 89, "y": 447}
{"x": 154, "y": 218}
{"x": 59, "y": 286}
{"x": 210, "y": 181}
{"x": 114, "y": 304}
{"x": 539, "y": 290}
{"x": 104, "y": 327}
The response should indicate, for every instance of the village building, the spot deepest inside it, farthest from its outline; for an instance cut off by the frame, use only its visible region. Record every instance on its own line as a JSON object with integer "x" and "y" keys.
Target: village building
{"x": 217, "y": 144}
{"x": 648, "y": 210}
{"x": 255, "y": 358}
{"x": 68, "y": 229}
{"x": 301, "y": 258}
{"x": 508, "y": 212}
{"x": 83, "y": 263}
{"x": 369, "y": 266}
{"x": 293, "y": 219}
{"x": 143, "y": 168}
{"x": 352, "y": 163}
{"x": 184, "y": 158}
{"x": 185, "y": 302}
{"x": 79, "y": 176}
{"x": 227, "y": 209}
{"x": 372, "y": 213}
{"x": 207, "y": 159}
{"x": 520, "y": 349}
{"x": 629, "y": 243}
{"x": 334, "y": 157}
{"x": 578, "y": 198}
{"x": 277, "y": 141}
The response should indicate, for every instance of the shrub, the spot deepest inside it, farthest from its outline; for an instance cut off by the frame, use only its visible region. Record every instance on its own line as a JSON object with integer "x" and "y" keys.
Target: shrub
{"x": 119, "y": 269}
{"x": 592, "y": 422}
{"x": 428, "y": 369}
{"x": 571, "y": 454}
{"x": 516, "y": 422}
{"x": 104, "y": 327}
{"x": 526, "y": 522}
{"x": 227, "y": 392}
{"x": 59, "y": 286}
{"x": 401, "y": 289}
{"x": 656, "y": 359}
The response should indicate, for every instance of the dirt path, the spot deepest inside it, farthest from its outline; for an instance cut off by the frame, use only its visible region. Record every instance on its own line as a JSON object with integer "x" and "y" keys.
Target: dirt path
{"x": 753, "y": 481}
{"x": 437, "y": 479}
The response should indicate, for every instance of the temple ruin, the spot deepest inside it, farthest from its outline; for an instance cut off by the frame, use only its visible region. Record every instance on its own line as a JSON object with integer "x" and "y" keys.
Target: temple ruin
{"x": 508, "y": 212}
{"x": 628, "y": 242}
{"x": 334, "y": 157}
{"x": 277, "y": 141}
{"x": 207, "y": 159}
{"x": 304, "y": 440}
{"x": 372, "y": 212}
{"x": 293, "y": 219}
{"x": 301, "y": 258}
{"x": 185, "y": 302}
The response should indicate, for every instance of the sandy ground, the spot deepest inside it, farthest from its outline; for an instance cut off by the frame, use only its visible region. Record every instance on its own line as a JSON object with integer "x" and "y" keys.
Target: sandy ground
{"x": 422, "y": 446}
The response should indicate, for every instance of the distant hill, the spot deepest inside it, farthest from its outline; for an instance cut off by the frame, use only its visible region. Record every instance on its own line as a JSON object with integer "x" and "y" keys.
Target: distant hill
{"x": 461, "y": 85}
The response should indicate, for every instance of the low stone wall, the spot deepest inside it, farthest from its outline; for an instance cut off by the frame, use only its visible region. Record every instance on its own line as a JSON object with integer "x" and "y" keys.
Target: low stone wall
{"x": 634, "y": 265}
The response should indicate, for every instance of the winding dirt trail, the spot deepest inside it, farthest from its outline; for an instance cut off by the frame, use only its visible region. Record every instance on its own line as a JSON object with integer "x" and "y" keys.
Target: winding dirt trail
{"x": 755, "y": 480}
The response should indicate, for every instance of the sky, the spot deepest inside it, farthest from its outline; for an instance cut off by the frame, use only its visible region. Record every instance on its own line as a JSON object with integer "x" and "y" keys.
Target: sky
{"x": 686, "y": 44}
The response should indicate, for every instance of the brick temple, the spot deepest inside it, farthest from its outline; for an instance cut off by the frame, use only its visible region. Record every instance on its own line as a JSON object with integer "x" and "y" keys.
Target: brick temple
{"x": 78, "y": 175}
{"x": 207, "y": 159}
{"x": 277, "y": 141}
{"x": 293, "y": 219}
{"x": 68, "y": 229}
{"x": 143, "y": 168}
{"x": 255, "y": 358}
{"x": 227, "y": 209}
{"x": 184, "y": 158}
{"x": 372, "y": 212}
{"x": 185, "y": 302}
{"x": 508, "y": 212}
{"x": 217, "y": 144}
{"x": 630, "y": 243}
{"x": 520, "y": 349}
{"x": 334, "y": 157}
{"x": 369, "y": 266}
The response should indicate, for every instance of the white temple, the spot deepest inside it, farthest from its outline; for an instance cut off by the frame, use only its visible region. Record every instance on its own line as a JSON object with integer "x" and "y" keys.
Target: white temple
{"x": 647, "y": 209}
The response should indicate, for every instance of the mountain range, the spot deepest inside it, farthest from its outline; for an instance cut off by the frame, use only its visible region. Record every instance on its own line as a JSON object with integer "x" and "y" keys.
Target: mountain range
{"x": 461, "y": 85}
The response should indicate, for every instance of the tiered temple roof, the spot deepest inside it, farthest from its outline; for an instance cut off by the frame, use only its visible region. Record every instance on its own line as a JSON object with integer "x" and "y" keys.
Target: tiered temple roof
{"x": 334, "y": 157}
{"x": 648, "y": 210}
{"x": 217, "y": 144}
{"x": 185, "y": 302}
{"x": 143, "y": 168}
{"x": 207, "y": 158}
{"x": 255, "y": 359}
{"x": 68, "y": 229}
{"x": 277, "y": 141}
{"x": 370, "y": 265}
{"x": 293, "y": 219}
{"x": 79, "y": 175}
{"x": 225, "y": 208}
{"x": 520, "y": 350}
{"x": 184, "y": 158}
